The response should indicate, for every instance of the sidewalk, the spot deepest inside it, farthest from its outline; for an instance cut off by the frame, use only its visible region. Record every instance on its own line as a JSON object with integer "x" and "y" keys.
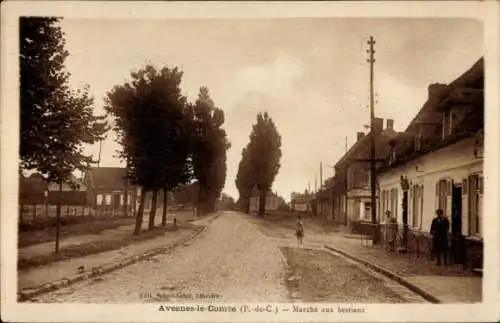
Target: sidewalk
{"x": 447, "y": 284}
{"x": 33, "y": 278}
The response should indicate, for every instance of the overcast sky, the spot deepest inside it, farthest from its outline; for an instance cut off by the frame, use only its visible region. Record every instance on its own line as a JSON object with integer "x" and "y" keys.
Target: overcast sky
{"x": 310, "y": 75}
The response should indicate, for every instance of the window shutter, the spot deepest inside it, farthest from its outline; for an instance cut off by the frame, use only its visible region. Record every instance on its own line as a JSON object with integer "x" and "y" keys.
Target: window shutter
{"x": 436, "y": 197}
{"x": 480, "y": 184}
{"x": 449, "y": 185}
{"x": 480, "y": 215}
{"x": 410, "y": 204}
{"x": 464, "y": 186}
{"x": 421, "y": 206}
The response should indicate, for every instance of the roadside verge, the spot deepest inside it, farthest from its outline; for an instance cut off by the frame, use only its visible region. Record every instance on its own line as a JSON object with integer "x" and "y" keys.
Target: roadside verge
{"x": 386, "y": 272}
{"x": 24, "y": 294}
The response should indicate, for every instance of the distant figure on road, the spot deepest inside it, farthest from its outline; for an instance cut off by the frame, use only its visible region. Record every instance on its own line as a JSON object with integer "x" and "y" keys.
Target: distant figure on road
{"x": 439, "y": 230}
{"x": 300, "y": 229}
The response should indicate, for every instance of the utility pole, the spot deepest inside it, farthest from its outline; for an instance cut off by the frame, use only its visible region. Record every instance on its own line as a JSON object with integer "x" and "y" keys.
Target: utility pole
{"x": 320, "y": 175}
{"x": 346, "y": 144}
{"x": 373, "y": 175}
{"x": 100, "y": 148}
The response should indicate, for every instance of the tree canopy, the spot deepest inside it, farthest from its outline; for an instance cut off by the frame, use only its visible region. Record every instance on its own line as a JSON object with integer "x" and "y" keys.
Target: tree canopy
{"x": 153, "y": 129}
{"x": 56, "y": 121}
{"x": 209, "y": 149}
{"x": 260, "y": 161}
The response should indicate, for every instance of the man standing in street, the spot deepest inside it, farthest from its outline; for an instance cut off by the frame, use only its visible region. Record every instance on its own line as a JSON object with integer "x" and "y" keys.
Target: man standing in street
{"x": 439, "y": 231}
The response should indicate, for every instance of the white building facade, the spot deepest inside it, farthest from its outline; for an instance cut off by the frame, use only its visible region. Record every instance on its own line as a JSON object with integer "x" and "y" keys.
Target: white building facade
{"x": 450, "y": 179}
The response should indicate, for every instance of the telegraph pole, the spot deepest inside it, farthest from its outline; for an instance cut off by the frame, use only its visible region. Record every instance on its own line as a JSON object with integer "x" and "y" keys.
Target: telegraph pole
{"x": 100, "y": 149}
{"x": 373, "y": 175}
{"x": 320, "y": 175}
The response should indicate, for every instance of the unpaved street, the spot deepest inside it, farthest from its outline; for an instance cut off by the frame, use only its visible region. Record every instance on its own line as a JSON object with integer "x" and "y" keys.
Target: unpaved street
{"x": 233, "y": 261}
{"x": 230, "y": 261}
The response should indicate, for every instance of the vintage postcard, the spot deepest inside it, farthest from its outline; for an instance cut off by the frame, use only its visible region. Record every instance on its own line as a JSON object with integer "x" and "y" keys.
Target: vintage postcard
{"x": 250, "y": 161}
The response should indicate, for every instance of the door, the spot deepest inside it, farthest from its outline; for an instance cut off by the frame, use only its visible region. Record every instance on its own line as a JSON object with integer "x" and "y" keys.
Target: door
{"x": 456, "y": 224}
{"x": 116, "y": 201}
{"x": 456, "y": 210}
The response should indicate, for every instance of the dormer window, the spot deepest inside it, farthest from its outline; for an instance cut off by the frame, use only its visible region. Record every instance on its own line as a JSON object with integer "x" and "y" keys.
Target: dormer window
{"x": 392, "y": 153}
{"x": 418, "y": 139}
{"x": 418, "y": 142}
{"x": 447, "y": 128}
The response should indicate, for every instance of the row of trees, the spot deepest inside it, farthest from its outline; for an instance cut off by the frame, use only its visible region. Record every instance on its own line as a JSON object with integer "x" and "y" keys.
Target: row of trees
{"x": 56, "y": 121}
{"x": 166, "y": 141}
{"x": 260, "y": 163}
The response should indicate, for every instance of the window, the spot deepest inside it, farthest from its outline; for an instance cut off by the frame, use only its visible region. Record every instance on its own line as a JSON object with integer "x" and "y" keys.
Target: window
{"x": 99, "y": 199}
{"x": 394, "y": 203}
{"x": 384, "y": 204}
{"x": 107, "y": 199}
{"x": 447, "y": 123}
{"x": 417, "y": 204}
{"x": 418, "y": 143}
{"x": 441, "y": 194}
{"x": 475, "y": 201}
{"x": 367, "y": 211}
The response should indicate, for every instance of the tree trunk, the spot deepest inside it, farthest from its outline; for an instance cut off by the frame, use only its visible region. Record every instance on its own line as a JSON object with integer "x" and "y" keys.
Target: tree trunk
{"x": 152, "y": 213}
{"x": 247, "y": 205}
{"x": 140, "y": 212}
{"x": 200, "y": 203}
{"x": 165, "y": 204}
{"x": 125, "y": 201}
{"x": 262, "y": 202}
{"x": 58, "y": 217}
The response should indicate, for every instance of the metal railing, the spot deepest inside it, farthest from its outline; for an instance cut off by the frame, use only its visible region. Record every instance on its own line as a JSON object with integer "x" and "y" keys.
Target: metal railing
{"x": 391, "y": 238}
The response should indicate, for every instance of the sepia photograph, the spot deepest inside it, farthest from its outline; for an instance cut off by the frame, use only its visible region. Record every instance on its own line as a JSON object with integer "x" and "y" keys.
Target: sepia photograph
{"x": 289, "y": 167}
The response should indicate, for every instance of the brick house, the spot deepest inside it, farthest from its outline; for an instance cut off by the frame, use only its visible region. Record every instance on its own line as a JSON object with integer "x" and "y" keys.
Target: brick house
{"x": 106, "y": 191}
{"x": 350, "y": 190}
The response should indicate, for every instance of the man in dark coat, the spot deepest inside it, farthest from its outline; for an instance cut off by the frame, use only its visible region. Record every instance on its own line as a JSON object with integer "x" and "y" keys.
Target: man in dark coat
{"x": 439, "y": 230}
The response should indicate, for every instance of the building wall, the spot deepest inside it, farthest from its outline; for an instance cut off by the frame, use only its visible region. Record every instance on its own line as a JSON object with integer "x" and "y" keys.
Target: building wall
{"x": 451, "y": 165}
{"x": 272, "y": 203}
{"x": 300, "y": 207}
{"x": 325, "y": 208}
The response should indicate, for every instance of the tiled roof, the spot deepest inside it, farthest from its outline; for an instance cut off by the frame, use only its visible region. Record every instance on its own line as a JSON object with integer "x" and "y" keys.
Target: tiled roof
{"x": 472, "y": 117}
{"x": 361, "y": 149}
{"x": 107, "y": 178}
{"x": 32, "y": 185}
{"x": 256, "y": 193}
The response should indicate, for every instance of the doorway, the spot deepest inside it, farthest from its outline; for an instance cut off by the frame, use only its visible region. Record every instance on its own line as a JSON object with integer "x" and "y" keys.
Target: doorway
{"x": 458, "y": 242}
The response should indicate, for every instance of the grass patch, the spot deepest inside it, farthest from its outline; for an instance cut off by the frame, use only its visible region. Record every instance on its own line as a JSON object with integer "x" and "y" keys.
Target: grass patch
{"x": 99, "y": 246}
{"x": 44, "y": 230}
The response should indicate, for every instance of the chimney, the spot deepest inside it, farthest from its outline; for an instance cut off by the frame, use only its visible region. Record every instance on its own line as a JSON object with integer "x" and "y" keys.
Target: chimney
{"x": 360, "y": 135}
{"x": 437, "y": 91}
{"x": 390, "y": 124}
{"x": 378, "y": 125}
